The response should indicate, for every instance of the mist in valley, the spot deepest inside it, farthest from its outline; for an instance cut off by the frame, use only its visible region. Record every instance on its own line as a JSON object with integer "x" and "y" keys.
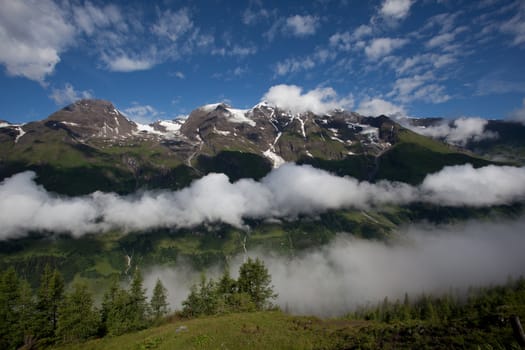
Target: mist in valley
{"x": 349, "y": 272}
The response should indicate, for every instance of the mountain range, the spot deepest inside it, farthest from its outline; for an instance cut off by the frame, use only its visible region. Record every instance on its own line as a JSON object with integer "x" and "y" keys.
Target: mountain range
{"x": 90, "y": 145}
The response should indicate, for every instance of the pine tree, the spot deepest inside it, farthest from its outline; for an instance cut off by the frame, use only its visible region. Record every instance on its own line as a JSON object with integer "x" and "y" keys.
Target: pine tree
{"x": 77, "y": 320}
{"x": 49, "y": 297}
{"x": 116, "y": 309}
{"x": 26, "y": 313}
{"x": 10, "y": 334}
{"x": 139, "y": 306}
{"x": 158, "y": 302}
{"x": 255, "y": 280}
{"x": 202, "y": 300}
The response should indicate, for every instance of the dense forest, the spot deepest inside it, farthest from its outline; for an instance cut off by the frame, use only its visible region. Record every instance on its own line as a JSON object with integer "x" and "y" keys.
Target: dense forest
{"x": 52, "y": 315}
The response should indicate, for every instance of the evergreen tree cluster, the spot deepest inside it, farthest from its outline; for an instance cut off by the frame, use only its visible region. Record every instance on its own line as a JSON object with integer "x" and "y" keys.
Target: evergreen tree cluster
{"x": 479, "y": 306}
{"x": 51, "y": 315}
{"x": 252, "y": 291}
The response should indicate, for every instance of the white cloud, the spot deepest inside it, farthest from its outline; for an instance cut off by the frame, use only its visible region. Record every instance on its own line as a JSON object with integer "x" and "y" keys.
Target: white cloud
{"x": 251, "y": 16}
{"x": 516, "y": 26}
{"x": 380, "y": 47}
{"x": 32, "y": 36}
{"x": 459, "y": 131}
{"x": 302, "y": 25}
{"x": 376, "y": 106}
{"x": 519, "y": 114}
{"x": 417, "y": 88}
{"x": 179, "y": 75}
{"x": 143, "y": 114}
{"x": 319, "y": 100}
{"x": 293, "y": 65}
{"x": 235, "y": 50}
{"x": 362, "y": 31}
{"x": 298, "y": 64}
{"x": 440, "y": 40}
{"x": 90, "y": 18}
{"x": 173, "y": 25}
{"x": 342, "y": 41}
{"x": 68, "y": 95}
{"x": 124, "y": 63}
{"x": 345, "y": 41}
{"x": 460, "y": 185}
{"x": 297, "y": 25}
{"x": 395, "y": 9}
{"x": 284, "y": 193}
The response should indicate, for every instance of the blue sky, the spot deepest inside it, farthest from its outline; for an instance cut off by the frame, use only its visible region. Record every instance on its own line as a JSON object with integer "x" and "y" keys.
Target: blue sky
{"x": 161, "y": 59}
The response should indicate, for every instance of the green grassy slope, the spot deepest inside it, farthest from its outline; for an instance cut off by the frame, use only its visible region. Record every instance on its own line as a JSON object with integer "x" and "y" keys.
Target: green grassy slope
{"x": 415, "y": 156}
{"x": 275, "y": 330}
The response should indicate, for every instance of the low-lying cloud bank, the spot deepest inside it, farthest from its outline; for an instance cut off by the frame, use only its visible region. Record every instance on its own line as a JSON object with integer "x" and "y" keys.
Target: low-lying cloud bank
{"x": 284, "y": 193}
{"x": 459, "y": 131}
{"x": 350, "y": 272}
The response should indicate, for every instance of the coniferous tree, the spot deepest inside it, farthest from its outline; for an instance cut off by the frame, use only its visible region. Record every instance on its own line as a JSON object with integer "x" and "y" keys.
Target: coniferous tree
{"x": 49, "y": 297}
{"x": 158, "y": 302}
{"x": 255, "y": 280}
{"x": 116, "y": 309}
{"x": 202, "y": 300}
{"x": 139, "y": 305}
{"x": 77, "y": 320}
{"x": 11, "y": 334}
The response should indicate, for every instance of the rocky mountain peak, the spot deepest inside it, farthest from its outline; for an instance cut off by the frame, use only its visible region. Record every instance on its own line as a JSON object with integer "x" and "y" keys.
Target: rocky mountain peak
{"x": 92, "y": 118}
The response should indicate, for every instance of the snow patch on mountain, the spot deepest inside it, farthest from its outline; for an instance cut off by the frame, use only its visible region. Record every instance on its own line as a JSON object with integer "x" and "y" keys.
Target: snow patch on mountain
{"x": 276, "y": 159}
{"x": 239, "y": 116}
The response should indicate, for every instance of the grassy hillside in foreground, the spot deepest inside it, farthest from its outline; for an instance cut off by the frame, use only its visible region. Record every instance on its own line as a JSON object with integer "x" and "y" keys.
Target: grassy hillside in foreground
{"x": 276, "y": 330}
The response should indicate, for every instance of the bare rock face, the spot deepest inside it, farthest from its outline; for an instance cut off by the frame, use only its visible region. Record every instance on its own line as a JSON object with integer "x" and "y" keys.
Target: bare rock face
{"x": 92, "y": 119}
{"x": 282, "y": 136}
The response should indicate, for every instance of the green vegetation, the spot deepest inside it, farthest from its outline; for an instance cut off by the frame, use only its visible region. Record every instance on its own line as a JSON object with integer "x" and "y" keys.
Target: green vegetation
{"x": 479, "y": 320}
{"x": 235, "y": 165}
{"x": 414, "y": 156}
{"x": 252, "y": 291}
{"x": 53, "y": 316}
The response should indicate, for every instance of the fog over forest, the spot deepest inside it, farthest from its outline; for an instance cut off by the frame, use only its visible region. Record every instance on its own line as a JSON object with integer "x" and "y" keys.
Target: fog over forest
{"x": 350, "y": 272}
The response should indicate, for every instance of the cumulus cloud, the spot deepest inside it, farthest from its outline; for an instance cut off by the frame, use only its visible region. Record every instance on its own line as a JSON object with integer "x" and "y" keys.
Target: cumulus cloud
{"x": 319, "y": 100}
{"x": 381, "y": 47}
{"x": 302, "y": 25}
{"x": 460, "y": 185}
{"x": 284, "y": 193}
{"x": 32, "y": 36}
{"x": 459, "y": 131}
{"x": 349, "y": 272}
{"x": 376, "y": 106}
{"x": 68, "y": 95}
{"x": 395, "y": 9}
